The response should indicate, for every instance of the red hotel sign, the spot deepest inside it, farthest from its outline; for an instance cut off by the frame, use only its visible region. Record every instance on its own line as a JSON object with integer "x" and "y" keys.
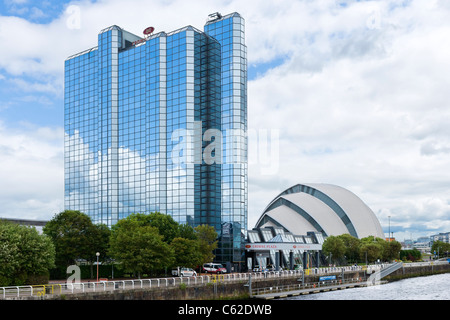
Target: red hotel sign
{"x": 147, "y": 32}
{"x": 283, "y": 246}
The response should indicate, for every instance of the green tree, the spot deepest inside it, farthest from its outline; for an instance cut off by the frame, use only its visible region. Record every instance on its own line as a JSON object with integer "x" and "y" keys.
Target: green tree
{"x": 76, "y": 237}
{"x": 207, "y": 239}
{"x": 440, "y": 248}
{"x": 24, "y": 254}
{"x": 335, "y": 246}
{"x": 69, "y": 232}
{"x": 99, "y": 235}
{"x": 187, "y": 232}
{"x": 138, "y": 247}
{"x": 391, "y": 250}
{"x": 186, "y": 252}
{"x": 164, "y": 223}
{"x": 371, "y": 249}
{"x": 352, "y": 246}
{"x": 167, "y": 227}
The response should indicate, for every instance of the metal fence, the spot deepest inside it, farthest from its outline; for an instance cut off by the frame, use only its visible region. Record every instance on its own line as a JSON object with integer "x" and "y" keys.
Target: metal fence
{"x": 14, "y": 292}
{"x": 103, "y": 286}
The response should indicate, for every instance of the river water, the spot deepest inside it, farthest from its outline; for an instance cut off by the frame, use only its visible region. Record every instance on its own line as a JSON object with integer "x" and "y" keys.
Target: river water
{"x": 435, "y": 287}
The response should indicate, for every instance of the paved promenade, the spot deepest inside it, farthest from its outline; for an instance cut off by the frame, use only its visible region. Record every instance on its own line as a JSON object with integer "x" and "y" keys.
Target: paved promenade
{"x": 310, "y": 290}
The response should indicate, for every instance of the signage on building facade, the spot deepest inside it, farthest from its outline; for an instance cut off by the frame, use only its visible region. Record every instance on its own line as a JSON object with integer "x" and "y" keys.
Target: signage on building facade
{"x": 283, "y": 246}
{"x": 147, "y": 32}
{"x": 139, "y": 41}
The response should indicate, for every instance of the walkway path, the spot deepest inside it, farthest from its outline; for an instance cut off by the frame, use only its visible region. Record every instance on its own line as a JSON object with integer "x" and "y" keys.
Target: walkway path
{"x": 310, "y": 290}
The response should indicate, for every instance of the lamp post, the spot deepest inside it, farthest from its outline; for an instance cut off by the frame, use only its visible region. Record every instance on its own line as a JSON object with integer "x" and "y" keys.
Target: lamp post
{"x": 97, "y": 254}
{"x": 389, "y": 228}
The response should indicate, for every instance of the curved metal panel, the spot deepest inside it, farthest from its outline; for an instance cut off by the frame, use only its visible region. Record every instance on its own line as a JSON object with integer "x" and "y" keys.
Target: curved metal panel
{"x": 358, "y": 219}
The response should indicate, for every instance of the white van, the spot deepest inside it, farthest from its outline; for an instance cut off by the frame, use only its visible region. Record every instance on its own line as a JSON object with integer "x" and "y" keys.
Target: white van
{"x": 184, "y": 272}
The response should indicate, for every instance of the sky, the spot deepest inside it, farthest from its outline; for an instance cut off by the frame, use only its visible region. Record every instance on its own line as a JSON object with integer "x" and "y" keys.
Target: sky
{"x": 351, "y": 93}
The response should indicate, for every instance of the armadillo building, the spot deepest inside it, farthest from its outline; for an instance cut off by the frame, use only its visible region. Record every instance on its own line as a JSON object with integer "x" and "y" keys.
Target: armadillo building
{"x": 324, "y": 208}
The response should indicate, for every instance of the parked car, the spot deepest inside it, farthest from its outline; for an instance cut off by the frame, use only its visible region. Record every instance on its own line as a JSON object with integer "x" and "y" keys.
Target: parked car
{"x": 213, "y": 268}
{"x": 184, "y": 272}
{"x": 259, "y": 269}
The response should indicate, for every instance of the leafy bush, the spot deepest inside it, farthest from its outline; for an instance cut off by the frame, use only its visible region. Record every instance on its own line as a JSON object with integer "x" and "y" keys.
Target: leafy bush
{"x": 25, "y": 255}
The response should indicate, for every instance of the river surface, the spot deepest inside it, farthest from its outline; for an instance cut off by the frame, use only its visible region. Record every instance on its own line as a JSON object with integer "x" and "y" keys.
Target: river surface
{"x": 435, "y": 287}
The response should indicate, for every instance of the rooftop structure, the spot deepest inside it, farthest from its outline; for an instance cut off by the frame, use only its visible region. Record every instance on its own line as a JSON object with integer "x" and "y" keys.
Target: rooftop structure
{"x": 324, "y": 208}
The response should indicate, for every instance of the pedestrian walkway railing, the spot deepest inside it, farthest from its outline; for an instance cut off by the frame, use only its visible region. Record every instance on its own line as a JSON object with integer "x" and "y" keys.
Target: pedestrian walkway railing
{"x": 111, "y": 285}
{"x": 34, "y": 290}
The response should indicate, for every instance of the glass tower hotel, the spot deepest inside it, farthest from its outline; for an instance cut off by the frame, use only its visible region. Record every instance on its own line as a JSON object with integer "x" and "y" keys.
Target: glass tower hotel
{"x": 157, "y": 123}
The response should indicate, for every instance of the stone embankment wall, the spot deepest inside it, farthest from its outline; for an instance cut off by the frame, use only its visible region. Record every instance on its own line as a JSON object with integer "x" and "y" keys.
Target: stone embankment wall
{"x": 419, "y": 271}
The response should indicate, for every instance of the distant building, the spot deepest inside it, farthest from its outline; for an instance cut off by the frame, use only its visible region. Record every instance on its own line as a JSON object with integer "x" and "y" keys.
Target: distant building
{"x": 422, "y": 246}
{"x": 408, "y": 243}
{"x": 423, "y": 240}
{"x": 38, "y": 224}
{"x": 444, "y": 237}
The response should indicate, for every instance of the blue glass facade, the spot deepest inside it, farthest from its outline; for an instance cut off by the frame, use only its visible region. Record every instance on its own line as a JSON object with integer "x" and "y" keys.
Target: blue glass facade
{"x": 158, "y": 124}
{"x": 229, "y": 32}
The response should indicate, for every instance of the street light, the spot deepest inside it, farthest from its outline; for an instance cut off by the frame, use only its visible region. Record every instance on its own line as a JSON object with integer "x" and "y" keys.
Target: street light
{"x": 389, "y": 228}
{"x": 97, "y": 254}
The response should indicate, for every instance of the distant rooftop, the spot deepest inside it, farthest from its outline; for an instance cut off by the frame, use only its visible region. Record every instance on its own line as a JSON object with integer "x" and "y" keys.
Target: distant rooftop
{"x": 26, "y": 222}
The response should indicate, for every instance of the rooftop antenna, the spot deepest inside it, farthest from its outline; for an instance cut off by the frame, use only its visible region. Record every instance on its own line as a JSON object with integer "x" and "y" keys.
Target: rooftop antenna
{"x": 214, "y": 16}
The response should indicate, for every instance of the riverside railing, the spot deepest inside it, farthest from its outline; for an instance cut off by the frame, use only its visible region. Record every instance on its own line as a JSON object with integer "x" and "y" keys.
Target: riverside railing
{"x": 14, "y": 292}
{"x": 111, "y": 285}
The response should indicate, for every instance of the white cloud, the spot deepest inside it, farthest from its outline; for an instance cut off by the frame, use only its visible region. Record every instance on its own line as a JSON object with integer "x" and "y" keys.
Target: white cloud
{"x": 31, "y": 171}
{"x": 360, "y": 100}
{"x": 367, "y": 110}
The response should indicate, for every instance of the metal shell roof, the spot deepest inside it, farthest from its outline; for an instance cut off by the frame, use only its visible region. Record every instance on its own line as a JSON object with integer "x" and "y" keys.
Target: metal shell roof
{"x": 325, "y": 208}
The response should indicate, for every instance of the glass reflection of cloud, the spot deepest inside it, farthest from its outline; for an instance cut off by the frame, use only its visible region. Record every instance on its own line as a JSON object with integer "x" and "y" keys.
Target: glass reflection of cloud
{"x": 138, "y": 181}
